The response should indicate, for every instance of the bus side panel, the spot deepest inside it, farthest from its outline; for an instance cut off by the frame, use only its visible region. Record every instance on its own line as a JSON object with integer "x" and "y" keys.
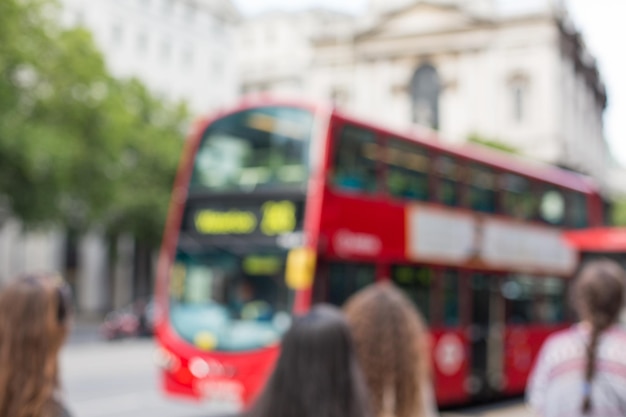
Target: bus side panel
{"x": 522, "y": 345}
{"x": 353, "y": 229}
{"x": 450, "y": 357}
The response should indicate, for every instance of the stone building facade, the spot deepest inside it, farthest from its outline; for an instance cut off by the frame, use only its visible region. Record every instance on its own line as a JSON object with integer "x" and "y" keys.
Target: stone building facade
{"x": 497, "y": 69}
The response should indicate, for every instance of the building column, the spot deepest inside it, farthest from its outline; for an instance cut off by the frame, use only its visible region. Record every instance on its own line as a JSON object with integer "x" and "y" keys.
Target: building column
{"x": 123, "y": 272}
{"x": 92, "y": 291}
{"x": 28, "y": 252}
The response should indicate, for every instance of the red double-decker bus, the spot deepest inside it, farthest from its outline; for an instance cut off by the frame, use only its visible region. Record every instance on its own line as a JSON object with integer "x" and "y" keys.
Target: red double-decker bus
{"x": 599, "y": 242}
{"x": 279, "y": 205}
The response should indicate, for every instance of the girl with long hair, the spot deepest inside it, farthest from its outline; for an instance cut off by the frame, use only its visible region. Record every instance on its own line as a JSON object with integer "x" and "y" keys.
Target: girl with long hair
{"x": 316, "y": 374}
{"x": 581, "y": 371}
{"x": 34, "y": 312}
{"x": 393, "y": 349}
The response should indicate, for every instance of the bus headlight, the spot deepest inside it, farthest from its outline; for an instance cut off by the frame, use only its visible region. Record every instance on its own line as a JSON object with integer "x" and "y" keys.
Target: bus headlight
{"x": 199, "y": 368}
{"x": 166, "y": 360}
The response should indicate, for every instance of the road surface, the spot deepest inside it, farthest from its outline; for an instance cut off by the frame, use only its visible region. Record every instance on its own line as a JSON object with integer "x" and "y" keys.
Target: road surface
{"x": 118, "y": 379}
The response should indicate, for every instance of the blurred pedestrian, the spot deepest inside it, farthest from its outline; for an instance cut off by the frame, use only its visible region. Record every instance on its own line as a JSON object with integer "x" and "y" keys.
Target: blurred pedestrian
{"x": 34, "y": 313}
{"x": 316, "y": 374}
{"x": 581, "y": 371}
{"x": 393, "y": 348}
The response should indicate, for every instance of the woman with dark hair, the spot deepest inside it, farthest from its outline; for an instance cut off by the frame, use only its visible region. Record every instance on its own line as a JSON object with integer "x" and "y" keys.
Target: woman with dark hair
{"x": 581, "y": 371}
{"x": 34, "y": 313}
{"x": 393, "y": 348}
{"x": 316, "y": 374}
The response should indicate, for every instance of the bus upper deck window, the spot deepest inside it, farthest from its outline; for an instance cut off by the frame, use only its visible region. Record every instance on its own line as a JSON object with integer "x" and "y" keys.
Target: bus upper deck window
{"x": 482, "y": 189}
{"x": 407, "y": 170}
{"x": 355, "y": 160}
{"x": 517, "y": 199}
{"x": 447, "y": 190}
{"x": 577, "y": 210}
{"x": 258, "y": 148}
{"x": 552, "y": 207}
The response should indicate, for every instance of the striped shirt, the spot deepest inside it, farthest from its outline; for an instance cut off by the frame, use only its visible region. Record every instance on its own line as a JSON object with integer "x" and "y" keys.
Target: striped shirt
{"x": 556, "y": 384}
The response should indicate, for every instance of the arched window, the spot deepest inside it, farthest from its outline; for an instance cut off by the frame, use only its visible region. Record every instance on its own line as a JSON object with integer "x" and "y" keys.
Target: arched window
{"x": 518, "y": 93}
{"x": 425, "y": 88}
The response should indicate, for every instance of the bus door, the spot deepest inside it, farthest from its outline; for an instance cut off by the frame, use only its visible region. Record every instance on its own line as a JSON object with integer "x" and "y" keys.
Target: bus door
{"x": 486, "y": 336}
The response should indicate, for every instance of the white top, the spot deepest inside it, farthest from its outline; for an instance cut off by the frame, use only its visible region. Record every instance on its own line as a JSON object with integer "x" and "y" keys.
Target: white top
{"x": 556, "y": 384}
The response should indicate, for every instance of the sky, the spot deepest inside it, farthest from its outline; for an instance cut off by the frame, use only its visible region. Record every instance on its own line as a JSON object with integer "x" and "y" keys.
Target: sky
{"x": 600, "y": 21}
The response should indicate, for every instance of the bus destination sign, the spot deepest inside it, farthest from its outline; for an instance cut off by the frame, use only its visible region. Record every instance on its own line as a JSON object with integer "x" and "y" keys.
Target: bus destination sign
{"x": 268, "y": 218}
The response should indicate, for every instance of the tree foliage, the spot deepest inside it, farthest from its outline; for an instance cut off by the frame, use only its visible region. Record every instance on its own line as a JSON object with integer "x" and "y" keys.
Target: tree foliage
{"x": 491, "y": 143}
{"x": 618, "y": 213}
{"x": 78, "y": 146}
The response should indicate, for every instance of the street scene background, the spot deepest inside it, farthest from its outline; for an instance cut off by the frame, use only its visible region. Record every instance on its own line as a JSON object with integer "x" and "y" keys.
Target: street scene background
{"x": 97, "y": 98}
{"x": 120, "y": 379}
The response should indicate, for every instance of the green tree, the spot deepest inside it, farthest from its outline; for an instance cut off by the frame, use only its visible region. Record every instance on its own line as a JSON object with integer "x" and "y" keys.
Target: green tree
{"x": 491, "y": 143}
{"x": 618, "y": 213}
{"x": 78, "y": 146}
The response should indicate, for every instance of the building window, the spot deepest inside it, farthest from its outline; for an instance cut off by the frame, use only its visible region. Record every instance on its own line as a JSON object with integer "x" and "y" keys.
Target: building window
{"x": 80, "y": 18}
{"x": 187, "y": 58}
{"x": 189, "y": 13}
{"x": 518, "y": 91}
{"x": 425, "y": 89}
{"x": 339, "y": 97}
{"x": 142, "y": 43}
{"x": 166, "y": 51}
{"x": 518, "y": 103}
{"x": 117, "y": 34}
{"x": 167, "y": 6}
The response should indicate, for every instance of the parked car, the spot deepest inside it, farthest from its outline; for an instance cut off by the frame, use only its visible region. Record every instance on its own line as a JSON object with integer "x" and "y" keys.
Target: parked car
{"x": 134, "y": 320}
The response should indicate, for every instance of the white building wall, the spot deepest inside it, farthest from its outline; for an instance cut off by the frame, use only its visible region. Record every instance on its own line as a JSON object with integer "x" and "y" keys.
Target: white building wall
{"x": 182, "y": 50}
{"x": 478, "y": 65}
{"x": 276, "y": 52}
{"x": 477, "y": 95}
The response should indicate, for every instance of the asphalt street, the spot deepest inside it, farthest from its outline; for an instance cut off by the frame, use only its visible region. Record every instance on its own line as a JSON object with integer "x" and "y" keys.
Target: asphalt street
{"x": 119, "y": 379}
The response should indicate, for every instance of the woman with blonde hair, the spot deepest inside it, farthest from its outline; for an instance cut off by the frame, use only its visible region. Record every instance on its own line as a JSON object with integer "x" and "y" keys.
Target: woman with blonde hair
{"x": 34, "y": 313}
{"x": 393, "y": 349}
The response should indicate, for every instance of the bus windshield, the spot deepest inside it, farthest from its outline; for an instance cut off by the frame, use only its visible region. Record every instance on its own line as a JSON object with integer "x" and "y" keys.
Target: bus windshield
{"x": 226, "y": 302}
{"x": 258, "y": 148}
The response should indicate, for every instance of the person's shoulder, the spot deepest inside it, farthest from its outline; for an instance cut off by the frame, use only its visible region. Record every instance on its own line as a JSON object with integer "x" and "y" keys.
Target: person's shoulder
{"x": 567, "y": 339}
{"x": 615, "y": 336}
{"x": 563, "y": 336}
{"x": 618, "y": 331}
